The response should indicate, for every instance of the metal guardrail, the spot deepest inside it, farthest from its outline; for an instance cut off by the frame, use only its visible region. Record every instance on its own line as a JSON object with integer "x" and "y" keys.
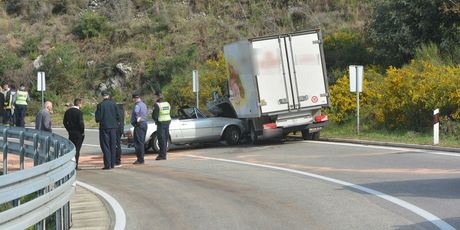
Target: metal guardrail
{"x": 38, "y": 196}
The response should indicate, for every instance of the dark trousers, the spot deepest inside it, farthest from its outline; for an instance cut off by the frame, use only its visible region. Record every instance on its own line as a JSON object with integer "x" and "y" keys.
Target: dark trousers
{"x": 140, "y": 130}
{"x": 108, "y": 142}
{"x": 8, "y": 118}
{"x": 118, "y": 154}
{"x": 20, "y": 113}
{"x": 163, "y": 135}
{"x": 77, "y": 139}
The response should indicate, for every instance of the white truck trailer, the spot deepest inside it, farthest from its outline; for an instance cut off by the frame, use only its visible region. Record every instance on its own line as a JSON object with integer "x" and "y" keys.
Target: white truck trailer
{"x": 278, "y": 84}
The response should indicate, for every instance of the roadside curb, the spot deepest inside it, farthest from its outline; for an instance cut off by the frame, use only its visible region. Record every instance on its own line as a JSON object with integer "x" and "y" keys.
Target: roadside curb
{"x": 392, "y": 144}
{"x": 113, "y": 207}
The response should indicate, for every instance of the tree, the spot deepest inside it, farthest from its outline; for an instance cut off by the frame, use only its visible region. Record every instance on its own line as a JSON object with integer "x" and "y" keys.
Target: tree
{"x": 398, "y": 27}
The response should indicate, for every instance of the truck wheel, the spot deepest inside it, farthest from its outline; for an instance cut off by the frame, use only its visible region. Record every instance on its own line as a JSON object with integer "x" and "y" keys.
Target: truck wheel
{"x": 253, "y": 136}
{"x": 156, "y": 144}
{"x": 315, "y": 136}
{"x": 232, "y": 135}
{"x": 307, "y": 135}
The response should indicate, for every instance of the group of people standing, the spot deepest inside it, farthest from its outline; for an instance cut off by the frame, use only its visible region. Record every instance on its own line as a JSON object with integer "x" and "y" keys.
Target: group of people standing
{"x": 109, "y": 118}
{"x": 13, "y": 108}
{"x": 13, "y": 105}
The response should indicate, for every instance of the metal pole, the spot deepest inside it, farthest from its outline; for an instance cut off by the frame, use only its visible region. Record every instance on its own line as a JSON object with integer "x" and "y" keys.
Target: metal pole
{"x": 197, "y": 99}
{"x": 357, "y": 99}
{"x": 41, "y": 83}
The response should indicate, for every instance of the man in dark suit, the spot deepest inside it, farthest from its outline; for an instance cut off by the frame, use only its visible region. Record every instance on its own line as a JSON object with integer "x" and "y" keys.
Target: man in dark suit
{"x": 108, "y": 116}
{"x": 75, "y": 126}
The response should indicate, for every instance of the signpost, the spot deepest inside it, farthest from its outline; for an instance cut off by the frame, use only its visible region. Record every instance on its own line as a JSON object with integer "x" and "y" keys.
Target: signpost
{"x": 196, "y": 84}
{"x": 41, "y": 85}
{"x": 356, "y": 85}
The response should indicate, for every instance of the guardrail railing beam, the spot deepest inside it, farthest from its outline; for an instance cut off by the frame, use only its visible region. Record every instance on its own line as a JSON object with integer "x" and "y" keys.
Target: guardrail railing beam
{"x": 39, "y": 192}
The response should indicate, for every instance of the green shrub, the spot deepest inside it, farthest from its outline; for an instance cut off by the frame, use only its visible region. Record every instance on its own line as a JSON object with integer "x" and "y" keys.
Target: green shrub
{"x": 30, "y": 47}
{"x": 91, "y": 24}
{"x": 8, "y": 61}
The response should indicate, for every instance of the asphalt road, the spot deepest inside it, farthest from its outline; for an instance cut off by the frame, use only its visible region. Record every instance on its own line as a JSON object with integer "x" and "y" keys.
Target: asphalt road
{"x": 294, "y": 185}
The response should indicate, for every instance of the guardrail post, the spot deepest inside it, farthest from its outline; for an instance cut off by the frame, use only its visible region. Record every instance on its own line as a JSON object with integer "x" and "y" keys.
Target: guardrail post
{"x": 36, "y": 153}
{"x": 56, "y": 150}
{"x": 66, "y": 217}
{"x": 5, "y": 151}
{"x": 58, "y": 216}
{"x": 22, "y": 150}
{"x": 47, "y": 149}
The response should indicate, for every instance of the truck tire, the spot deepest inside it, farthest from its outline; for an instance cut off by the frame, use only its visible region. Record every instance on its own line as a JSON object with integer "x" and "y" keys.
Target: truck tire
{"x": 315, "y": 136}
{"x": 156, "y": 146}
{"x": 307, "y": 135}
{"x": 253, "y": 136}
{"x": 232, "y": 135}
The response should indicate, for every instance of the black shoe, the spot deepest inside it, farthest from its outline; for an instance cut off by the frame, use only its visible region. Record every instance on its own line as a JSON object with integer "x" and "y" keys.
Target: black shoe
{"x": 105, "y": 168}
{"x": 160, "y": 158}
{"x": 138, "y": 162}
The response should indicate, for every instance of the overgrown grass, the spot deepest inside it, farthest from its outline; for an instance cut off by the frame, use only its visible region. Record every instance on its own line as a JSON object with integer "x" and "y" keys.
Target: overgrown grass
{"x": 348, "y": 131}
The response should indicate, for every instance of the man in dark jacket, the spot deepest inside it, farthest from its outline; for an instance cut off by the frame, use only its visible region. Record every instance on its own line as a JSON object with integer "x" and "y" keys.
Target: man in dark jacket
{"x": 108, "y": 116}
{"x": 2, "y": 106}
{"x": 43, "y": 118}
{"x": 75, "y": 126}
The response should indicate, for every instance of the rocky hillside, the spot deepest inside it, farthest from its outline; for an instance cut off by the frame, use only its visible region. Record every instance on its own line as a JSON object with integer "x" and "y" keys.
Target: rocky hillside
{"x": 125, "y": 45}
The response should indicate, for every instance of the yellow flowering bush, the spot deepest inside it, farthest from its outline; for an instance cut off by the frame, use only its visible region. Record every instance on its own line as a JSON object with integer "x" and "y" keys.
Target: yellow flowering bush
{"x": 343, "y": 102}
{"x": 212, "y": 77}
{"x": 407, "y": 96}
{"x": 403, "y": 98}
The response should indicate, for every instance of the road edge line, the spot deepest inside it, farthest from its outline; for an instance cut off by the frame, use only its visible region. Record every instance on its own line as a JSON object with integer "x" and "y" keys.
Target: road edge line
{"x": 120, "y": 216}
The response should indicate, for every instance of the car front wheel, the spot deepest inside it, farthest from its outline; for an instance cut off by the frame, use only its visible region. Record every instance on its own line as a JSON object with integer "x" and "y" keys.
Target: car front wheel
{"x": 156, "y": 144}
{"x": 232, "y": 135}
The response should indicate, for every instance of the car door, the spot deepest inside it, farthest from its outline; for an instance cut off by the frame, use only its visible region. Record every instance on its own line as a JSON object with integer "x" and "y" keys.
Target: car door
{"x": 196, "y": 129}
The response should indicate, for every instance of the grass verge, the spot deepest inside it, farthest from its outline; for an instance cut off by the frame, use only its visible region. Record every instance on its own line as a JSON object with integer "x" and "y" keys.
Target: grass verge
{"x": 348, "y": 131}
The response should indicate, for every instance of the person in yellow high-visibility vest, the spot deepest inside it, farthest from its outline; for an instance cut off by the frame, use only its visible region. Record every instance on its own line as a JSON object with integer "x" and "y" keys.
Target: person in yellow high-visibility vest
{"x": 8, "y": 117}
{"x": 20, "y": 105}
{"x": 161, "y": 116}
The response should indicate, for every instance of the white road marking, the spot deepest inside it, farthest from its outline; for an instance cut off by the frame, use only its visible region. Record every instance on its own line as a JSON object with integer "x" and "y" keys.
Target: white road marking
{"x": 98, "y": 146}
{"x": 424, "y": 214}
{"x": 120, "y": 217}
{"x": 424, "y": 151}
{"x": 86, "y": 130}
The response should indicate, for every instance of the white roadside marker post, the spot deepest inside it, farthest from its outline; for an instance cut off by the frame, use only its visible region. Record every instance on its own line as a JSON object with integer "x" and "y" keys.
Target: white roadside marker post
{"x": 436, "y": 127}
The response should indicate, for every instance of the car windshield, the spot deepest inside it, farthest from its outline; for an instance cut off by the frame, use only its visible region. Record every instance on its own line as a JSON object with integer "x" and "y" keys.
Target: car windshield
{"x": 190, "y": 113}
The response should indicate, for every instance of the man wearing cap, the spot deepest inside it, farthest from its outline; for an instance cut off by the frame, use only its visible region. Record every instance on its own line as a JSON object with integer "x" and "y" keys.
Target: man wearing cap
{"x": 108, "y": 116}
{"x": 162, "y": 118}
{"x": 22, "y": 99}
{"x": 8, "y": 117}
{"x": 138, "y": 120}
